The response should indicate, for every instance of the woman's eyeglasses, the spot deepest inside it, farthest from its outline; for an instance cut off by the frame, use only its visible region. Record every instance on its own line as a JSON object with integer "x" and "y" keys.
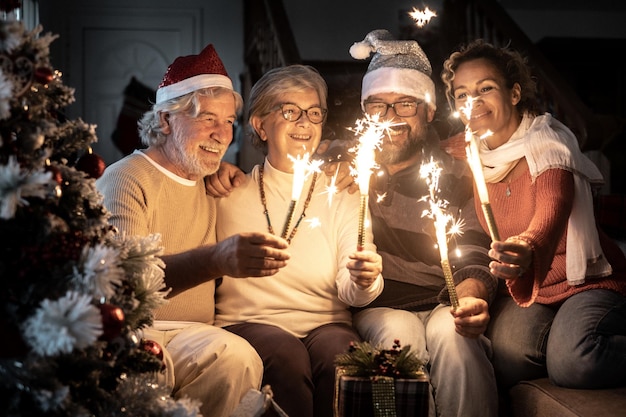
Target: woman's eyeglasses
{"x": 293, "y": 113}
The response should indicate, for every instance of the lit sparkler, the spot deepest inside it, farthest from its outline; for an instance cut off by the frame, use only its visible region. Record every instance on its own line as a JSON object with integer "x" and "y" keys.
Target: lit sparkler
{"x": 473, "y": 158}
{"x": 331, "y": 189}
{"x": 371, "y": 132}
{"x": 314, "y": 222}
{"x": 431, "y": 172}
{"x": 302, "y": 168}
{"x": 422, "y": 17}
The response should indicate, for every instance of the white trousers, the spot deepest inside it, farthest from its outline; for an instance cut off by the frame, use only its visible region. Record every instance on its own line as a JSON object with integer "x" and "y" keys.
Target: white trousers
{"x": 210, "y": 365}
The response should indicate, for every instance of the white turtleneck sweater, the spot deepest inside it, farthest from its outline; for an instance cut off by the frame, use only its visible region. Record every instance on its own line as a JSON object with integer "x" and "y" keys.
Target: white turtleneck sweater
{"x": 315, "y": 287}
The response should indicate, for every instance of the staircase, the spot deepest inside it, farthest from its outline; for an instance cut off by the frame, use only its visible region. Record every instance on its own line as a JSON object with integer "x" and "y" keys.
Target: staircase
{"x": 270, "y": 43}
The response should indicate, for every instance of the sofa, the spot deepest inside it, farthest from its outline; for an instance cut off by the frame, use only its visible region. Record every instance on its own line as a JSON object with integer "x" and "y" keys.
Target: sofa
{"x": 539, "y": 398}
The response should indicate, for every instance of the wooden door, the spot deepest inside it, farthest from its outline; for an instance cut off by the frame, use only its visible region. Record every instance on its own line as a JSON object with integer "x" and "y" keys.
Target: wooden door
{"x": 103, "y": 44}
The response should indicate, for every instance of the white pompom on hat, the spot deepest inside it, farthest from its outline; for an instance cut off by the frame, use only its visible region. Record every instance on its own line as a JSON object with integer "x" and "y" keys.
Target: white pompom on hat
{"x": 193, "y": 72}
{"x": 398, "y": 66}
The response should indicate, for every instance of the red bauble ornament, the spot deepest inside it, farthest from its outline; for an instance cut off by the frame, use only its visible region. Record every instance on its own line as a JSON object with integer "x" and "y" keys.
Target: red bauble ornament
{"x": 112, "y": 321}
{"x": 43, "y": 75}
{"x": 91, "y": 164}
{"x": 152, "y": 347}
{"x": 56, "y": 174}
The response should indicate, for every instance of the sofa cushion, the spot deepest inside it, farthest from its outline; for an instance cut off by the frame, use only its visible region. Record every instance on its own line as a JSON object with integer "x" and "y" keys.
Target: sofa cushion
{"x": 539, "y": 398}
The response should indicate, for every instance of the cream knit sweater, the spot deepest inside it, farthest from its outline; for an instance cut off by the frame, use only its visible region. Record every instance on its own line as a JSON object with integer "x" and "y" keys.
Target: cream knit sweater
{"x": 143, "y": 199}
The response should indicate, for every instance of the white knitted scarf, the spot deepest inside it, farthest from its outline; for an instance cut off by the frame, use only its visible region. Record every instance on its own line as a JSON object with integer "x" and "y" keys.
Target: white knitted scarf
{"x": 547, "y": 143}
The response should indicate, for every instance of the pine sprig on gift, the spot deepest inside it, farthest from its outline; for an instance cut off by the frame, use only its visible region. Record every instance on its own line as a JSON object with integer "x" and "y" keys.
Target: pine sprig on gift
{"x": 364, "y": 360}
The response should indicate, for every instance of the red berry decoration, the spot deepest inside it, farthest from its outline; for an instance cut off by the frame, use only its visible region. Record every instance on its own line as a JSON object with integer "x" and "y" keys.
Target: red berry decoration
{"x": 43, "y": 75}
{"x": 91, "y": 164}
{"x": 152, "y": 347}
{"x": 112, "y": 321}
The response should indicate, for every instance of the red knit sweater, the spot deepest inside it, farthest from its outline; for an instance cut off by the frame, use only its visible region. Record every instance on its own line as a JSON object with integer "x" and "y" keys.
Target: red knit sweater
{"x": 539, "y": 213}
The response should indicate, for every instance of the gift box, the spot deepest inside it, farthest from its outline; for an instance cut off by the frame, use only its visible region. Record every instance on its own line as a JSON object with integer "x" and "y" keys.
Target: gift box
{"x": 381, "y": 396}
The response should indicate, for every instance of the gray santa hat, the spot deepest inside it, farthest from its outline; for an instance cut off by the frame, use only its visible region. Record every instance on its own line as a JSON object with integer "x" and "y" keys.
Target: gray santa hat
{"x": 398, "y": 66}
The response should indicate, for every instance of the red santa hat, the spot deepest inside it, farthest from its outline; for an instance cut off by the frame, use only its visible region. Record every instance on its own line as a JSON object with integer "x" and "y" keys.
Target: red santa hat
{"x": 193, "y": 72}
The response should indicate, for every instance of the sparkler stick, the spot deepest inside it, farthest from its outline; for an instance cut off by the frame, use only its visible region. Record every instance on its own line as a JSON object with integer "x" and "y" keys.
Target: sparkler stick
{"x": 445, "y": 262}
{"x": 431, "y": 173}
{"x": 289, "y": 219}
{"x": 362, "y": 206}
{"x": 371, "y": 133}
{"x": 473, "y": 158}
{"x": 301, "y": 169}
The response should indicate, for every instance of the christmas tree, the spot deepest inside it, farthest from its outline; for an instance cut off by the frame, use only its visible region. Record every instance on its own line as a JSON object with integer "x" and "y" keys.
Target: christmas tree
{"x": 74, "y": 292}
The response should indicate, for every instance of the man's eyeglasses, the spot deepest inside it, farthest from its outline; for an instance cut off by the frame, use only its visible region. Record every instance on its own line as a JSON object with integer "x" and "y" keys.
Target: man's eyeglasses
{"x": 293, "y": 113}
{"x": 402, "y": 108}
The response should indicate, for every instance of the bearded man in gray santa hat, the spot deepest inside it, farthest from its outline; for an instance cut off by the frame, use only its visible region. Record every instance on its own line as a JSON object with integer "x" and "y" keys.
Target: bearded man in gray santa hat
{"x": 415, "y": 305}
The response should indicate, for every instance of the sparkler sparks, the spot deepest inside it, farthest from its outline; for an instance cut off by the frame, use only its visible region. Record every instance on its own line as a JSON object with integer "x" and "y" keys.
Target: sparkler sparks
{"x": 331, "y": 189}
{"x": 473, "y": 158}
{"x": 371, "y": 132}
{"x": 431, "y": 172}
{"x": 314, "y": 222}
{"x": 422, "y": 17}
{"x": 302, "y": 168}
